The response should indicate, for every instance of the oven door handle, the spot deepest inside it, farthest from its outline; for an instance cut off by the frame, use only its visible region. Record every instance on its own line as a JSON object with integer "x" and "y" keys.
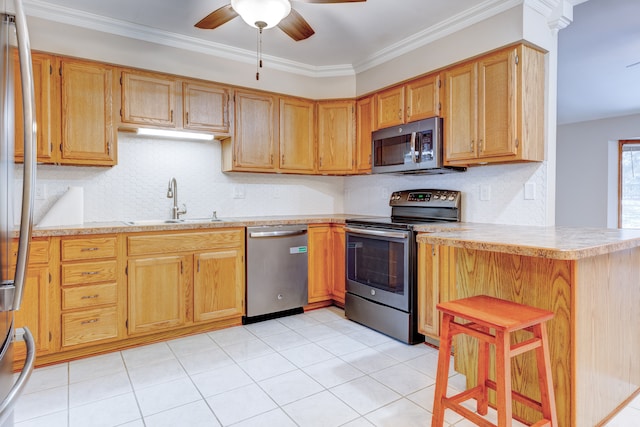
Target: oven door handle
{"x": 378, "y": 233}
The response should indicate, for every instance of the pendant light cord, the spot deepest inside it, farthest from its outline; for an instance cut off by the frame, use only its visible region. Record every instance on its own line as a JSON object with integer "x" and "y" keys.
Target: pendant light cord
{"x": 260, "y": 26}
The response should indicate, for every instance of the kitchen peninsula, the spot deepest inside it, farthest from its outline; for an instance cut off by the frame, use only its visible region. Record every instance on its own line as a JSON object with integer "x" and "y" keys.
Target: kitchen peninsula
{"x": 590, "y": 279}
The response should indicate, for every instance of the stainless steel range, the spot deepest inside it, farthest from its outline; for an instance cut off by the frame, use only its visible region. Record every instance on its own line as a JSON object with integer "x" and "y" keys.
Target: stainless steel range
{"x": 381, "y": 263}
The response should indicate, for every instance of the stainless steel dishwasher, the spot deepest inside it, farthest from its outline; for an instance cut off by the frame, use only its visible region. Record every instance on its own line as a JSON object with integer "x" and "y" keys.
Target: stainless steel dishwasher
{"x": 276, "y": 271}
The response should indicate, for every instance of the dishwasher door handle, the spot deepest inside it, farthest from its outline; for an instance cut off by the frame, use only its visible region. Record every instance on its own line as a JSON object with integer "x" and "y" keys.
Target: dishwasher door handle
{"x": 281, "y": 233}
{"x": 378, "y": 233}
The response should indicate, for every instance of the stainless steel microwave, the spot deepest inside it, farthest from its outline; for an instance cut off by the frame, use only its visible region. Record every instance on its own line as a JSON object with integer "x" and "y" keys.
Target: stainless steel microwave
{"x": 415, "y": 147}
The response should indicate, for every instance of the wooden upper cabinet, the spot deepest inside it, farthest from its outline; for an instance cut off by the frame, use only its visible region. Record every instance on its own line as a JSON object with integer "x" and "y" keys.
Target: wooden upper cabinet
{"x": 390, "y": 104}
{"x": 43, "y": 84}
{"x": 89, "y": 133}
{"x": 297, "y": 135}
{"x": 494, "y": 108}
{"x": 365, "y": 123}
{"x": 460, "y": 114}
{"x": 336, "y": 136}
{"x": 254, "y": 146}
{"x": 416, "y": 100}
{"x": 422, "y": 98}
{"x": 148, "y": 99}
{"x": 205, "y": 107}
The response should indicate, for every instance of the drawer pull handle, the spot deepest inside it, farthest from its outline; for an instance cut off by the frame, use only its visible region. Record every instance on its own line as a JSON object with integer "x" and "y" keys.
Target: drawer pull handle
{"x": 90, "y": 273}
{"x": 89, "y": 296}
{"x": 86, "y": 322}
{"x": 88, "y": 249}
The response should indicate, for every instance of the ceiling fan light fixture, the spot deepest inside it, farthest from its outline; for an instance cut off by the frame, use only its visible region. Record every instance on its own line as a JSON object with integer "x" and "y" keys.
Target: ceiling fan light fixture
{"x": 269, "y": 12}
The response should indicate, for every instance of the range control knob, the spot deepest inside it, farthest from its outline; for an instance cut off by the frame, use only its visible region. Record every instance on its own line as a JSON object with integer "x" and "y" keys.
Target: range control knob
{"x": 373, "y": 291}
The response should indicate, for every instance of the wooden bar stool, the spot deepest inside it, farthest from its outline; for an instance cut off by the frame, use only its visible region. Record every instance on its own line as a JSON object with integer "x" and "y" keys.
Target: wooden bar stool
{"x": 483, "y": 314}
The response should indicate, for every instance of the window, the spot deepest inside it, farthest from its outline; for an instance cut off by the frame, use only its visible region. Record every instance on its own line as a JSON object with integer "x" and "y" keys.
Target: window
{"x": 629, "y": 184}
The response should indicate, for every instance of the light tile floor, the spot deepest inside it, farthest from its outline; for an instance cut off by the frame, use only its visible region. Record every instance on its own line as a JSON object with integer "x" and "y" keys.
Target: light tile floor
{"x": 312, "y": 369}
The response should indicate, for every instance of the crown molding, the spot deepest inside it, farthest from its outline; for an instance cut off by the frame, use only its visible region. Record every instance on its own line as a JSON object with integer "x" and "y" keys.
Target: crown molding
{"x": 484, "y": 10}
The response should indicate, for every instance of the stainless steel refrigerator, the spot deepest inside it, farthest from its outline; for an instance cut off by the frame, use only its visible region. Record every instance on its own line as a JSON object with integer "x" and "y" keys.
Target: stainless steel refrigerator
{"x": 15, "y": 221}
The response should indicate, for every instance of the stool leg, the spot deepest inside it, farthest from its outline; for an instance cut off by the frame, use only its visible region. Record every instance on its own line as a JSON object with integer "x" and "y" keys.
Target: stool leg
{"x": 442, "y": 376}
{"x": 547, "y": 395}
{"x": 483, "y": 375}
{"x": 503, "y": 378}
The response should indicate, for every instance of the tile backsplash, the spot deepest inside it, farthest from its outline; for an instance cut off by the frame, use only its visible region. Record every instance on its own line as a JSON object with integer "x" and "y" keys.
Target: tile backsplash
{"x": 136, "y": 188}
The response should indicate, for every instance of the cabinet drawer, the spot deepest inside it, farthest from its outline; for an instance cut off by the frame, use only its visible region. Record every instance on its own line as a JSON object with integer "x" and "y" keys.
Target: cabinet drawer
{"x": 89, "y": 296}
{"x": 89, "y": 326}
{"x": 38, "y": 252}
{"x": 89, "y": 272}
{"x": 92, "y": 248}
{"x": 183, "y": 242}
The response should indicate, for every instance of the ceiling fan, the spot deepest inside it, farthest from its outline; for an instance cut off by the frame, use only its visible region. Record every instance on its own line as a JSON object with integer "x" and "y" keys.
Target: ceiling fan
{"x": 266, "y": 14}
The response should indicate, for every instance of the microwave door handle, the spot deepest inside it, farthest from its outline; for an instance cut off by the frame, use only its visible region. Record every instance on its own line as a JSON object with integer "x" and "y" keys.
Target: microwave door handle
{"x": 413, "y": 147}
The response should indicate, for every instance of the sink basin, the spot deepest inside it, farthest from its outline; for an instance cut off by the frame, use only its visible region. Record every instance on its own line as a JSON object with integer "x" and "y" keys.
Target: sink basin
{"x": 171, "y": 221}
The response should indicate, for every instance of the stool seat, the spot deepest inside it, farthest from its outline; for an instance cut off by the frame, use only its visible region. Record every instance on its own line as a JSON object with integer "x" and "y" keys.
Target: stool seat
{"x": 495, "y": 313}
{"x": 480, "y": 316}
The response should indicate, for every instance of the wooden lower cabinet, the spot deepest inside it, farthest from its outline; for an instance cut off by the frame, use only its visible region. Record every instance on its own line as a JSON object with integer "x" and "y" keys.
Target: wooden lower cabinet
{"x": 217, "y": 286}
{"x": 157, "y": 293}
{"x": 436, "y": 283}
{"x": 179, "y": 279}
{"x": 326, "y": 263}
{"x": 92, "y": 299}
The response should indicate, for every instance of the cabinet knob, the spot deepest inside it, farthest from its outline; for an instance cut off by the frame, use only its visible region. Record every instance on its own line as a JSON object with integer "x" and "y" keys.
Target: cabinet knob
{"x": 400, "y": 113}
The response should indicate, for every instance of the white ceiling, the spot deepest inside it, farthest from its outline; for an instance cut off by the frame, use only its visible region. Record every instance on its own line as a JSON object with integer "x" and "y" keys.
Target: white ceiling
{"x": 595, "y": 54}
{"x": 594, "y": 51}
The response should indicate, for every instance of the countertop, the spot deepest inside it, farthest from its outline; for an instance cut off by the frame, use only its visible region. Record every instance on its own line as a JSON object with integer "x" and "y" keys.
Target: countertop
{"x": 565, "y": 243}
{"x": 123, "y": 227}
{"x": 568, "y": 243}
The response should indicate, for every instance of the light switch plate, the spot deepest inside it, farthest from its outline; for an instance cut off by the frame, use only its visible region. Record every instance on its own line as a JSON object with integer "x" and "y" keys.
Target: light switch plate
{"x": 530, "y": 191}
{"x": 238, "y": 192}
{"x": 485, "y": 192}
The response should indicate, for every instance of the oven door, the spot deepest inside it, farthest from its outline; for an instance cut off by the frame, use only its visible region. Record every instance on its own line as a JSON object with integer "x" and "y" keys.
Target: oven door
{"x": 377, "y": 265}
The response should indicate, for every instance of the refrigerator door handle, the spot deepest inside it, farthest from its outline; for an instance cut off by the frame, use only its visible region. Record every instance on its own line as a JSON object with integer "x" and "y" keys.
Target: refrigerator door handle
{"x": 9, "y": 402}
{"x": 28, "y": 106}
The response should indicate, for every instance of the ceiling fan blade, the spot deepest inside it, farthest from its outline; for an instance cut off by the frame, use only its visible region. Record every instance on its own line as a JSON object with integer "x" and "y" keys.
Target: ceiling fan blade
{"x": 295, "y": 26}
{"x": 217, "y": 18}
{"x": 330, "y": 1}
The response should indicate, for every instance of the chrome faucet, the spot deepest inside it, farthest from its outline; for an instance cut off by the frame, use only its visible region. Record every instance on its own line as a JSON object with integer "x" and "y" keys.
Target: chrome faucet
{"x": 172, "y": 193}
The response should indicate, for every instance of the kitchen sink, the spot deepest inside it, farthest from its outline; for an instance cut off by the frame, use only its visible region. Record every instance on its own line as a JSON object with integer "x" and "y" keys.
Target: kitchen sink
{"x": 172, "y": 221}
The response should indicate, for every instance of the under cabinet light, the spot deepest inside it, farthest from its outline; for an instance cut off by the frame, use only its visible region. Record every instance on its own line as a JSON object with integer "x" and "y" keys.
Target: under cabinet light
{"x": 174, "y": 134}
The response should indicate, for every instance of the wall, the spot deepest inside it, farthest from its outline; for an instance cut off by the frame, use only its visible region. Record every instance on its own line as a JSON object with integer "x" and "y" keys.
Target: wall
{"x": 136, "y": 188}
{"x": 586, "y": 175}
{"x": 505, "y": 183}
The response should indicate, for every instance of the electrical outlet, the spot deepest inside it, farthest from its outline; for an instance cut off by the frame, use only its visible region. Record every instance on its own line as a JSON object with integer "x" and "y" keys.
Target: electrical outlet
{"x": 41, "y": 191}
{"x": 238, "y": 192}
{"x": 485, "y": 192}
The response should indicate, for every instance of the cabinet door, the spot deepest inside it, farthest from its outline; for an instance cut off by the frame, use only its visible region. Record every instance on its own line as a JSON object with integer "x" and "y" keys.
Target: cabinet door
{"x": 88, "y": 131}
{"x": 148, "y": 99}
{"x": 338, "y": 264}
{"x": 365, "y": 122}
{"x": 460, "y": 135}
{"x": 497, "y": 98}
{"x": 35, "y": 310}
{"x": 254, "y": 131}
{"x": 218, "y": 285}
{"x": 206, "y": 107}
{"x": 428, "y": 291}
{"x": 297, "y": 130}
{"x": 336, "y": 136}
{"x": 43, "y": 83}
{"x": 423, "y": 98}
{"x": 320, "y": 271}
{"x": 157, "y": 293}
{"x": 390, "y": 107}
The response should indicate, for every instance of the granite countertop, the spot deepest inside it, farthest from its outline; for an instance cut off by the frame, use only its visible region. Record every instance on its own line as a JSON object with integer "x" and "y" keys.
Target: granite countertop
{"x": 124, "y": 227}
{"x": 567, "y": 243}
